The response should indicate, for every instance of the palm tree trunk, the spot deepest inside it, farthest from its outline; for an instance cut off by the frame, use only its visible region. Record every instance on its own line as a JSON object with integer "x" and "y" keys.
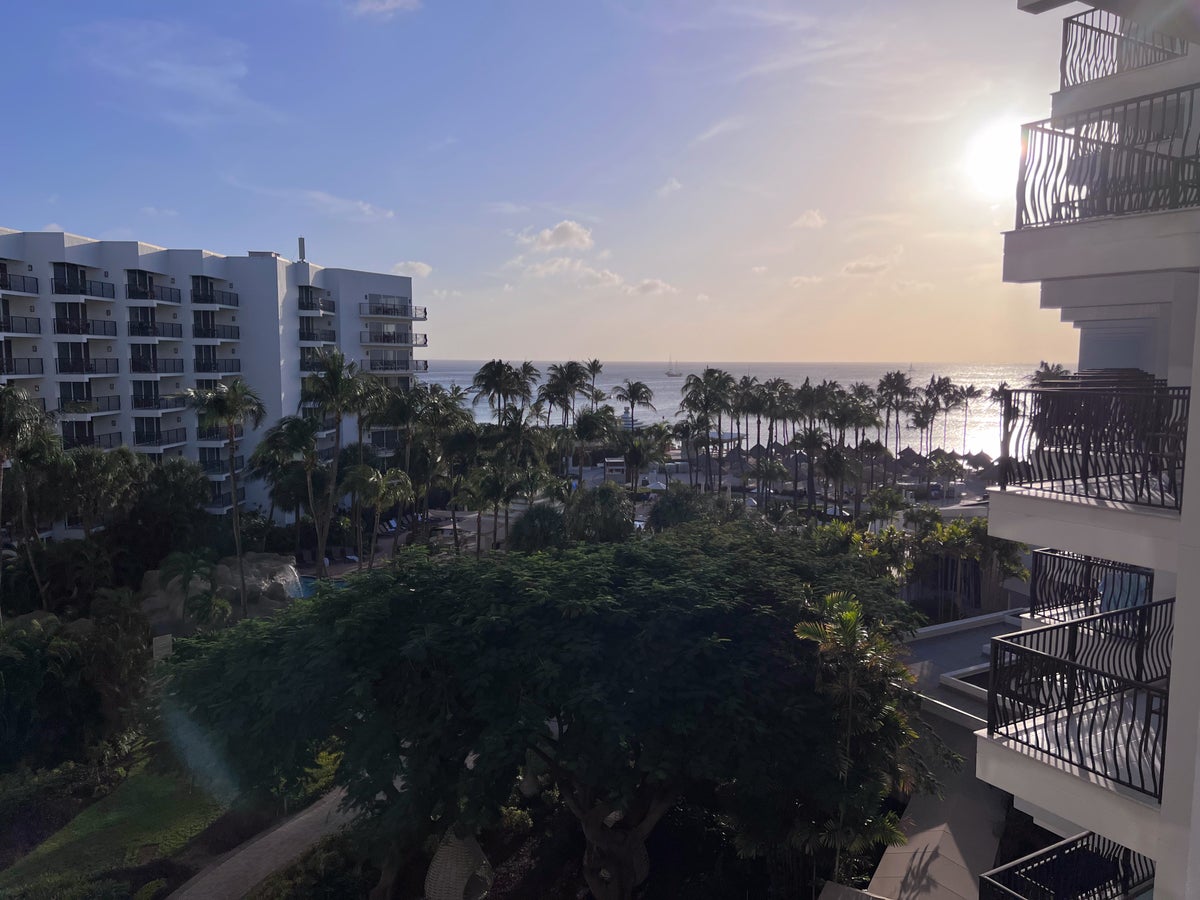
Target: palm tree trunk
{"x": 375, "y": 536}
{"x": 331, "y": 498}
{"x": 237, "y": 518}
{"x": 454, "y": 526}
{"x": 479, "y": 531}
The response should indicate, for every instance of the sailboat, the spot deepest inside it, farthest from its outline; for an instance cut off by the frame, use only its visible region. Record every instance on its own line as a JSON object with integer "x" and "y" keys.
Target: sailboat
{"x": 672, "y": 371}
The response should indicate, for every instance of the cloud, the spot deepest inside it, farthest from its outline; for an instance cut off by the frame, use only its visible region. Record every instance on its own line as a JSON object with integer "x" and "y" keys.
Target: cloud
{"x": 724, "y": 126}
{"x": 803, "y": 280}
{"x": 810, "y": 218}
{"x": 868, "y": 265}
{"x": 189, "y": 77}
{"x": 383, "y": 9}
{"x": 670, "y": 186}
{"x": 910, "y": 287}
{"x": 702, "y": 298}
{"x": 443, "y": 294}
{"x": 566, "y": 235}
{"x": 321, "y": 201}
{"x": 155, "y": 212}
{"x": 505, "y": 207}
{"x": 52, "y": 226}
{"x": 589, "y": 276}
{"x": 648, "y": 287}
{"x": 412, "y": 269}
{"x": 759, "y": 270}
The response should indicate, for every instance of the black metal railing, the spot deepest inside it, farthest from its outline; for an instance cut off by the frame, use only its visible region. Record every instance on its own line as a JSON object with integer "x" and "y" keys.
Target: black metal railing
{"x": 1096, "y": 44}
{"x": 311, "y": 364}
{"x": 396, "y": 310}
{"x": 1086, "y": 866}
{"x": 20, "y": 365}
{"x": 26, "y": 284}
{"x": 103, "y": 441}
{"x": 1091, "y": 692}
{"x": 1140, "y": 155}
{"x": 1124, "y": 444}
{"x": 160, "y": 438}
{"x": 72, "y": 405}
{"x": 214, "y": 296}
{"x": 385, "y": 440}
{"x": 403, "y": 338}
{"x": 221, "y": 466}
{"x": 218, "y": 365}
{"x": 97, "y": 327}
{"x": 20, "y": 325}
{"x": 155, "y": 329}
{"x": 153, "y": 292}
{"x": 159, "y": 366}
{"x": 317, "y": 304}
{"x": 217, "y": 332}
{"x": 396, "y": 365}
{"x": 218, "y": 433}
{"x": 1065, "y": 586}
{"x": 326, "y": 335}
{"x": 176, "y": 402}
{"x": 76, "y": 366}
{"x": 226, "y": 498}
{"x": 83, "y": 287}
{"x": 325, "y": 454}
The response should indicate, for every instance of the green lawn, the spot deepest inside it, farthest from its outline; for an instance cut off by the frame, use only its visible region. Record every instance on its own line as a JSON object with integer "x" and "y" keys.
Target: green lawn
{"x": 150, "y": 816}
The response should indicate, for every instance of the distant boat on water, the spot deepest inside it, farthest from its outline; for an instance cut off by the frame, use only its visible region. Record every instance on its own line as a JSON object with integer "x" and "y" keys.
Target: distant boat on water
{"x": 672, "y": 371}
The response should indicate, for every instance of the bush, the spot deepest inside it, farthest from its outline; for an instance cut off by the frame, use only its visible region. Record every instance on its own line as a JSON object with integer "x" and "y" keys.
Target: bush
{"x": 540, "y": 528}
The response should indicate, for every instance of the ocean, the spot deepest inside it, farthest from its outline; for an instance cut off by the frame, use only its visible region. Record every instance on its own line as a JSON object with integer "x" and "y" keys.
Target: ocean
{"x": 983, "y": 428}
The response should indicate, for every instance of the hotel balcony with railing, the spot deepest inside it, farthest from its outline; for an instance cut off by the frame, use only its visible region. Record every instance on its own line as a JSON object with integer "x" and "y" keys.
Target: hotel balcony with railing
{"x": 1085, "y": 866}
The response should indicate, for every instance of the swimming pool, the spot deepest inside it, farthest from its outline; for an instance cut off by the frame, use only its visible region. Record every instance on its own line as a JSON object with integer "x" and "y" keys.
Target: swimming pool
{"x": 308, "y": 584}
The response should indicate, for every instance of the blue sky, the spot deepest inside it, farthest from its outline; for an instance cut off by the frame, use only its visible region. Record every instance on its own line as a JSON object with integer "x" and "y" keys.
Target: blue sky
{"x": 629, "y": 180}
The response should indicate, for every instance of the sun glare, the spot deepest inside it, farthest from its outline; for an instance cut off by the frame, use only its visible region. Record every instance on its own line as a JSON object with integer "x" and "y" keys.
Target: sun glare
{"x": 991, "y": 158}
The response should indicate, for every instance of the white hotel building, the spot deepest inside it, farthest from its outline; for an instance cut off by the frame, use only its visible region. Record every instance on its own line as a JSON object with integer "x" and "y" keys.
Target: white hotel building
{"x": 107, "y": 335}
{"x": 1108, "y": 222}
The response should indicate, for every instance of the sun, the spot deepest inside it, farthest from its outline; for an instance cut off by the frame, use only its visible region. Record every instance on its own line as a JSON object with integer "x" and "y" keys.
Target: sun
{"x": 992, "y": 157}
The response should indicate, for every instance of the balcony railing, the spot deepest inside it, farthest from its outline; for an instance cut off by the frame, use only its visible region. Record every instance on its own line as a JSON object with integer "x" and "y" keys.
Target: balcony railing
{"x": 393, "y": 310}
{"x": 1086, "y": 866}
{"x": 20, "y": 365}
{"x": 385, "y": 440}
{"x": 83, "y": 287}
{"x": 221, "y": 466}
{"x": 26, "y": 284}
{"x": 160, "y": 438}
{"x": 1091, "y": 692}
{"x": 215, "y": 297}
{"x": 1065, "y": 586}
{"x": 403, "y": 338}
{"x": 317, "y": 304}
{"x": 70, "y": 405}
{"x": 154, "y": 292}
{"x": 325, "y": 335}
{"x": 222, "y": 500}
{"x": 1138, "y": 156}
{"x": 87, "y": 366}
{"x": 396, "y": 365}
{"x": 218, "y": 433}
{"x": 1114, "y": 443}
{"x": 159, "y": 403}
{"x": 156, "y": 366}
{"x": 103, "y": 441}
{"x": 155, "y": 329}
{"x": 217, "y": 332}
{"x": 20, "y": 325}
{"x": 1097, "y": 44}
{"x": 218, "y": 365}
{"x": 97, "y": 327}
{"x": 325, "y": 454}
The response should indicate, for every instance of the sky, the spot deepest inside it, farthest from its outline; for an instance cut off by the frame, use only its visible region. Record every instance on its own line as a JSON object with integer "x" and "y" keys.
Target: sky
{"x": 623, "y": 179}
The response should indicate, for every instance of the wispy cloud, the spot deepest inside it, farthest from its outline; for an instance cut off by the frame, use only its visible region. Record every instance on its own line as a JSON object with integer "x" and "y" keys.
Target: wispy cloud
{"x": 383, "y": 9}
{"x": 566, "y": 235}
{"x": 804, "y": 280}
{"x": 871, "y": 265}
{"x": 724, "y": 126}
{"x": 758, "y": 270}
{"x": 187, "y": 76}
{"x": 810, "y": 218}
{"x": 670, "y": 186}
{"x": 651, "y": 287}
{"x": 322, "y": 202}
{"x": 412, "y": 269}
{"x": 911, "y": 287}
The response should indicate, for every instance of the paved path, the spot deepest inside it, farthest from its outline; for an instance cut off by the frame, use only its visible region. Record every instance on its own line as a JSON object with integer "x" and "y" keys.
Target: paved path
{"x": 233, "y": 875}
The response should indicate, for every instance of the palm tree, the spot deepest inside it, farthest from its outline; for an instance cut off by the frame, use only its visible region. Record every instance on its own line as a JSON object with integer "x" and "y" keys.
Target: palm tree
{"x": 1048, "y": 372}
{"x": 594, "y": 367}
{"x": 966, "y": 395}
{"x": 708, "y": 396}
{"x": 642, "y": 448}
{"x": 20, "y": 420}
{"x": 591, "y": 427}
{"x": 498, "y": 382}
{"x": 895, "y": 389}
{"x": 635, "y": 393}
{"x": 231, "y": 405}
{"x": 812, "y": 443}
{"x": 290, "y": 442}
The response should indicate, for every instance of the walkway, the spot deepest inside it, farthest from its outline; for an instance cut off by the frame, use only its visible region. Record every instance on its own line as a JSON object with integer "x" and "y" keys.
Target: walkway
{"x": 236, "y": 873}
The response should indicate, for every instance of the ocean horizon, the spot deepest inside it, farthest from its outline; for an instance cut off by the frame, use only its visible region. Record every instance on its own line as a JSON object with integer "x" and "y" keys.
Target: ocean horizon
{"x": 983, "y": 427}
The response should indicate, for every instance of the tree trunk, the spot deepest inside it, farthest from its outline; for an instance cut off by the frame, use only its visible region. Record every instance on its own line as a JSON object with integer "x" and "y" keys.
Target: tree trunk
{"x": 507, "y": 507}
{"x": 479, "y": 531}
{"x": 375, "y": 536}
{"x": 454, "y": 526}
{"x": 331, "y": 498}
{"x": 237, "y": 518}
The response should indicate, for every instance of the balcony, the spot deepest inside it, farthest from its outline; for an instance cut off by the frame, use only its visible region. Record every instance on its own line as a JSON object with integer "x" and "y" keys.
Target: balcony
{"x": 71, "y": 406}
{"x": 318, "y": 305}
{"x": 1087, "y": 867}
{"x": 20, "y": 365}
{"x": 1138, "y": 156}
{"x": 401, "y": 338}
{"x": 220, "y": 467}
{"x": 215, "y": 298}
{"x": 148, "y": 365}
{"x": 322, "y": 335}
{"x": 217, "y": 332}
{"x": 396, "y": 365}
{"x": 385, "y": 443}
{"x": 1091, "y": 693}
{"x": 87, "y": 366}
{"x": 384, "y": 310}
{"x": 218, "y": 433}
{"x": 160, "y": 438}
{"x": 218, "y": 365}
{"x": 22, "y": 284}
{"x": 156, "y": 329}
{"x": 20, "y": 325}
{"x": 159, "y": 403}
{"x": 325, "y": 454}
{"x": 1065, "y": 586}
{"x": 1097, "y": 44}
{"x": 223, "y": 501}
{"x": 103, "y": 441}
{"x": 88, "y": 327}
{"x": 102, "y": 290}
{"x": 1107, "y": 440}
{"x": 154, "y": 292}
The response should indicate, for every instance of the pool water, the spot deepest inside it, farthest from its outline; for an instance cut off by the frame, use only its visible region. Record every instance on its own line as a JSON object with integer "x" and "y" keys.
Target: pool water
{"x": 308, "y": 584}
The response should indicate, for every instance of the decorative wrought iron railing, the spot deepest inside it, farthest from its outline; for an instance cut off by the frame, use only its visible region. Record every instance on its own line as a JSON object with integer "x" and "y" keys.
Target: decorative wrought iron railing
{"x": 96, "y": 327}
{"x": 1097, "y": 44}
{"x": 154, "y": 292}
{"x": 1065, "y": 586}
{"x": 1091, "y": 692}
{"x": 26, "y": 284}
{"x": 1118, "y": 443}
{"x": 1140, "y": 155}
{"x": 83, "y": 287}
{"x": 1086, "y": 866}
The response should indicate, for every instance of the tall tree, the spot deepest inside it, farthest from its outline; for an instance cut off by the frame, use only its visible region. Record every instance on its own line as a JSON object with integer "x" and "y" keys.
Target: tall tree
{"x": 230, "y": 405}
{"x": 20, "y": 419}
{"x": 635, "y": 393}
